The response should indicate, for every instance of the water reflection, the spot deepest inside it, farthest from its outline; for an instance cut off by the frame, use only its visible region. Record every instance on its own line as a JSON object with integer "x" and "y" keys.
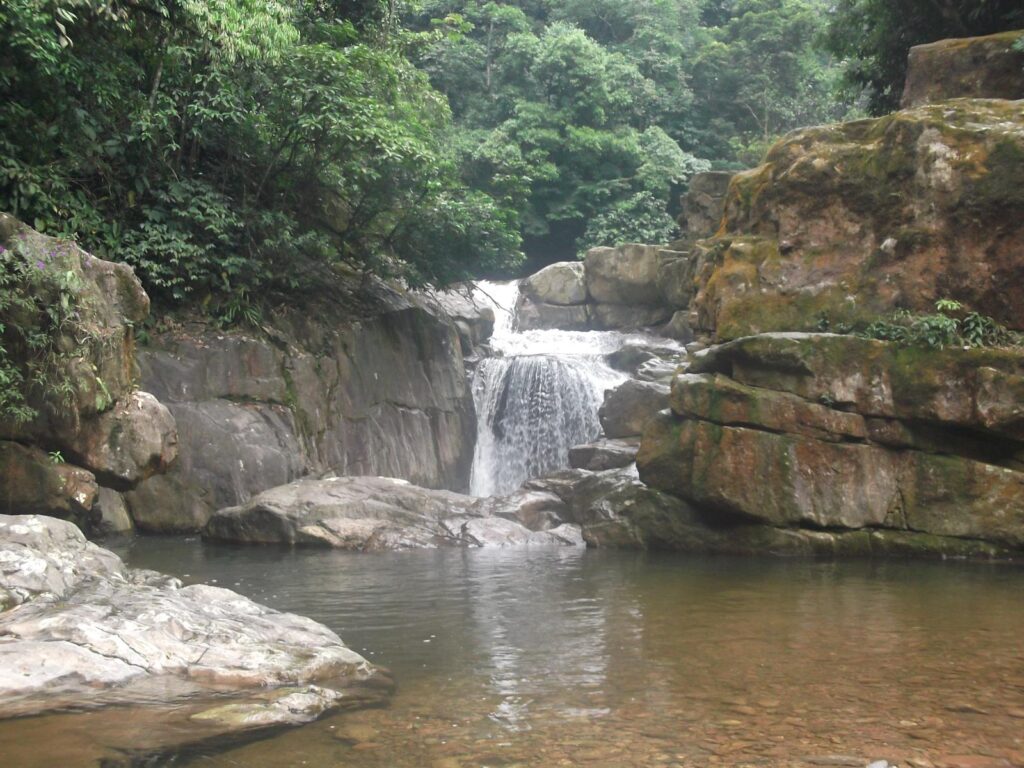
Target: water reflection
{"x": 552, "y": 657}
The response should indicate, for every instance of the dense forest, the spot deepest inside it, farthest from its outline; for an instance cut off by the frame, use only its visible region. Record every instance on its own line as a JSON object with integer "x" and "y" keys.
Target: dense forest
{"x": 234, "y": 149}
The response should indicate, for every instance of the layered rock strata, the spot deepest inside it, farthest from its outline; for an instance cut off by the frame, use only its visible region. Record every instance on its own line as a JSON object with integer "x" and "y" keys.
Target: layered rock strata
{"x": 835, "y": 434}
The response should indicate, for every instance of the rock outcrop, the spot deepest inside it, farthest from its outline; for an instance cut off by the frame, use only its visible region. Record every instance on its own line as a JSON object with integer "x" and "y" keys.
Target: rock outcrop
{"x": 371, "y": 514}
{"x": 844, "y": 223}
{"x": 627, "y": 408}
{"x": 79, "y": 629}
{"x": 384, "y": 394}
{"x": 835, "y": 433}
{"x": 976, "y": 67}
{"x": 99, "y": 431}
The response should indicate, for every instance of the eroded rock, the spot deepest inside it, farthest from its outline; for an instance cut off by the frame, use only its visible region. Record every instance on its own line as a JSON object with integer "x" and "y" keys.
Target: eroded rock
{"x": 627, "y": 408}
{"x": 79, "y": 629}
{"x": 977, "y": 67}
{"x": 374, "y": 513}
{"x": 562, "y": 283}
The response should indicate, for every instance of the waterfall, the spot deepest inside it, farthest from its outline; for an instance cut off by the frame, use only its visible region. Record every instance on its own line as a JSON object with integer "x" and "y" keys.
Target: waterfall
{"x": 536, "y": 397}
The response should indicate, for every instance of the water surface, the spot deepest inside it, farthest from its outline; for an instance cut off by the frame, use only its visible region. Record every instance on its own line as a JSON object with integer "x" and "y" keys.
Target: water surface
{"x": 560, "y": 657}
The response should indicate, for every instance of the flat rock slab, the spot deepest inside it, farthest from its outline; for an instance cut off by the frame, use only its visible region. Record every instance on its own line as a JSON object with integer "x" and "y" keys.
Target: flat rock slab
{"x": 376, "y": 514}
{"x": 79, "y": 630}
{"x": 604, "y": 454}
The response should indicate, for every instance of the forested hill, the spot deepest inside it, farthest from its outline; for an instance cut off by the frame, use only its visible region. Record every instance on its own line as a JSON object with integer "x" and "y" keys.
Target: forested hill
{"x": 243, "y": 151}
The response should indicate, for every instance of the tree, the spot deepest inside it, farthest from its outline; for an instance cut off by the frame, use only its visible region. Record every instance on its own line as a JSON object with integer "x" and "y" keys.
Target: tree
{"x": 231, "y": 149}
{"x": 874, "y": 37}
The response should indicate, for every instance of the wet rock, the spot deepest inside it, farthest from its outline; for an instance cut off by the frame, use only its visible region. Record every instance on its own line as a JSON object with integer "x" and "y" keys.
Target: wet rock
{"x": 976, "y": 67}
{"x": 562, "y": 284}
{"x": 852, "y": 221}
{"x": 604, "y": 454}
{"x": 79, "y": 629}
{"x": 610, "y": 317}
{"x": 536, "y": 510}
{"x": 473, "y": 320}
{"x": 532, "y": 315}
{"x": 627, "y": 408}
{"x": 374, "y": 514}
{"x": 113, "y": 512}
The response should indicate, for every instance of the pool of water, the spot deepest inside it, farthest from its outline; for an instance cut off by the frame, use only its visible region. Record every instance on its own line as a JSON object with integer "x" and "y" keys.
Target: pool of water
{"x": 560, "y": 657}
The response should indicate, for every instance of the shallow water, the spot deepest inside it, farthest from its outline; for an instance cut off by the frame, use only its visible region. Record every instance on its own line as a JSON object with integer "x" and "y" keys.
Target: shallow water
{"x": 561, "y": 657}
{"x": 551, "y": 657}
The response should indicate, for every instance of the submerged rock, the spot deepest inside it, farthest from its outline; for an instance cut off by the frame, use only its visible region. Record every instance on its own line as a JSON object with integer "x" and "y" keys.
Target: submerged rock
{"x": 79, "y": 629}
{"x": 370, "y": 514}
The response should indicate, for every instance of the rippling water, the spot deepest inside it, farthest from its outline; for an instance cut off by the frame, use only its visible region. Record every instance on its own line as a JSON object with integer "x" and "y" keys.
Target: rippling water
{"x": 556, "y": 657}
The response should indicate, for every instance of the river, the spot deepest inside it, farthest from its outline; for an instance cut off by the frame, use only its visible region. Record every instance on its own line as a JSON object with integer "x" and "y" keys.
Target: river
{"x": 561, "y": 657}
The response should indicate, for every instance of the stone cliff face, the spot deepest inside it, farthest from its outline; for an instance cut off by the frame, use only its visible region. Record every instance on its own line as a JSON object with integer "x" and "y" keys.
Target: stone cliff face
{"x": 822, "y": 443}
{"x": 835, "y": 433}
{"x": 103, "y": 436}
{"x": 382, "y": 395}
{"x": 850, "y": 221}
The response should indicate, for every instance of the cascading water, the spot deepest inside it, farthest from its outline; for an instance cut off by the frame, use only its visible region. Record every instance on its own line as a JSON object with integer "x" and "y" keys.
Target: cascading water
{"x": 537, "y": 397}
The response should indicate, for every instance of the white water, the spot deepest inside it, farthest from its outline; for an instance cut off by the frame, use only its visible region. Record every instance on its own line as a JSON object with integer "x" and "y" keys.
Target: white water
{"x": 537, "y": 397}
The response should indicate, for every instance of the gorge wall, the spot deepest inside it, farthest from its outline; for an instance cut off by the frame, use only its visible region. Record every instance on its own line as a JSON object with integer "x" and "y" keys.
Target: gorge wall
{"x": 841, "y": 443}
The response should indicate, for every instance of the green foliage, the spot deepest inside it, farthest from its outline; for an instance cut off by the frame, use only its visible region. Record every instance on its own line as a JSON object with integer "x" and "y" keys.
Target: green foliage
{"x": 874, "y": 37}
{"x": 949, "y": 326}
{"x": 39, "y": 302}
{"x": 232, "y": 149}
{"x": 588, "y": 117}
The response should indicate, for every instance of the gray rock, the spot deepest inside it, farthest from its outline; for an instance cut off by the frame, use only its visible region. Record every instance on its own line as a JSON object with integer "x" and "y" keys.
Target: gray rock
{"x": 113, "y": 512}
{"x": 562, "y": 284}
{"x": 79, "y": 629}
{"x": 535, "y": 316}
{"x": 676, "y": 276}
{"x": 604, "y": 454}
{"x": 615, "y": 317}
{"x": 371, "y": 514}
{"x": 627, "y": 408}
{"x": 704, "y": 204}
{"x": 134, "y": 440}
{"x": 536, "y": 510}
{"x": 626, "y": 275}
{"x": 474, "y": 321}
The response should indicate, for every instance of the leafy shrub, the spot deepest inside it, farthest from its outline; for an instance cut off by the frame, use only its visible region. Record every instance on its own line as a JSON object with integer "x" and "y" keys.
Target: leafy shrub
{"x": 39, "y": 304}
{"x": 949, "y": 326}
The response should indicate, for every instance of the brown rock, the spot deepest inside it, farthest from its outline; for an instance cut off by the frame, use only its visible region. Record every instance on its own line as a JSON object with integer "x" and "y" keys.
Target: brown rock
{"x": 848, "y": 222}
{"x": 974, "y": 67}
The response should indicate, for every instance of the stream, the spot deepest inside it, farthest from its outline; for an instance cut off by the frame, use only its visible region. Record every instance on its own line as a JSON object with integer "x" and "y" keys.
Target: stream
{"x": 571, "y": 657}
{"x": 564, "y": 657}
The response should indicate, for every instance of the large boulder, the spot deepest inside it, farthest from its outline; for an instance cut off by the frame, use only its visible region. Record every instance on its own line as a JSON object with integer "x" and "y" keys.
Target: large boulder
{"x": 377, "y": 513}
{"x": 532, "y": 315}
{"x": 563, "y": 284}
{"x": 473, "y": 319}
{"x": 835, "y": 432}
{"x": 626, "y": 275}
{"x": 80, "y": 630}
{"x": 975, "y": 67}
{"x": 846, "y": 222}
{"x": 604, "y": 454}
{"x": 627, "y": 408}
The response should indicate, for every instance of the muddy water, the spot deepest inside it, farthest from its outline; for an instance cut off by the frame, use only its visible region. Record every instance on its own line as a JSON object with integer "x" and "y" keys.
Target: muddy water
{"x": 568, "y": 658}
